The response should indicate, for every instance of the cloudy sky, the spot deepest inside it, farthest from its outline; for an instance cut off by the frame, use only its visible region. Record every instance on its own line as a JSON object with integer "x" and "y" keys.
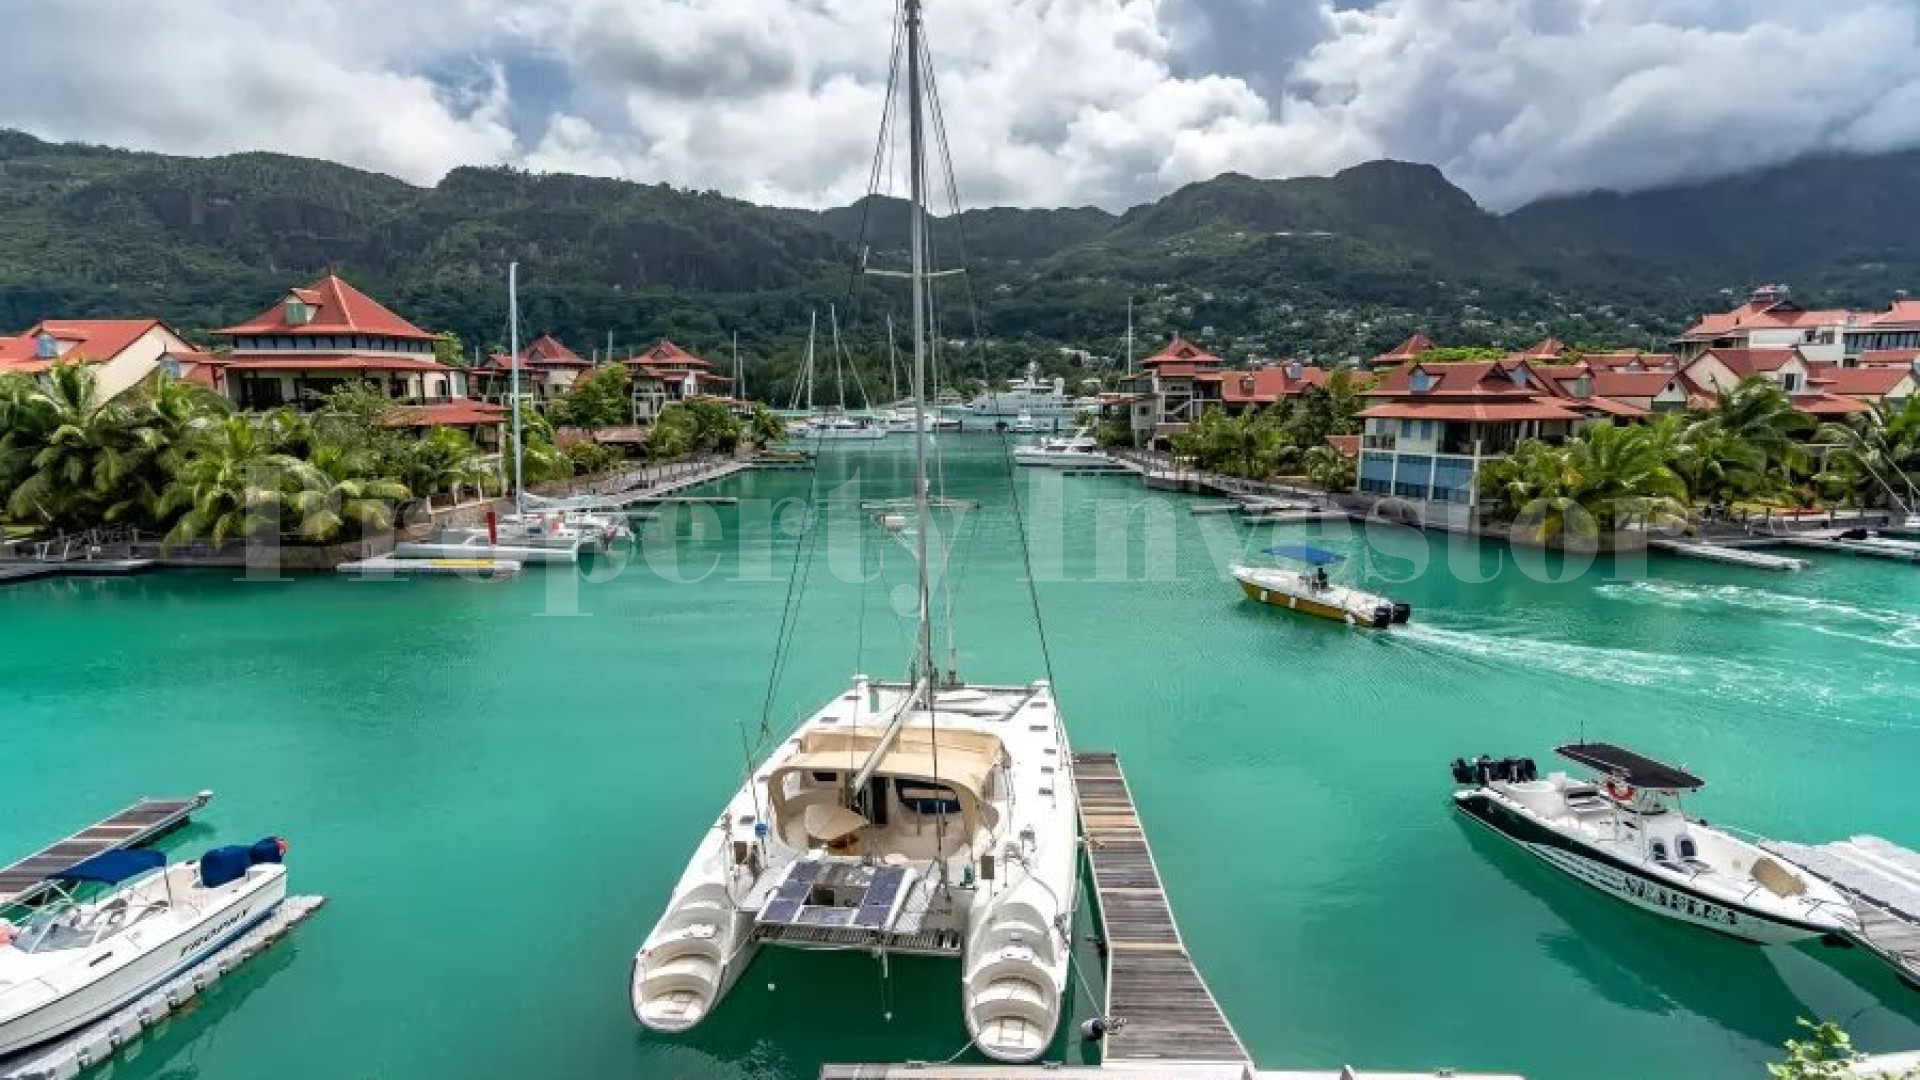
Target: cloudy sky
{"x": 1048, "y": 102}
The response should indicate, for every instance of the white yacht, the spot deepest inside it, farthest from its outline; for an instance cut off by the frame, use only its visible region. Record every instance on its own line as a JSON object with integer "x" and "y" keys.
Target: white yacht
{"x": 1028, "y": 395}
{"x": 120, "y": 924}
{"x": 922, "y": 816}
{"x": 1625, "y": 835}
{"x": 1078, "y": 450}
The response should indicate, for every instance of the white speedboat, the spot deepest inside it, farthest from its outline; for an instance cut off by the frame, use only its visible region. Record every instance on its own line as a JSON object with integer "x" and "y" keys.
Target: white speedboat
{"x": 1625, "y": 835}
{"x": 1312, "y": 592}
{"x": 922, "y": 817}
{"x": 541, "y": 536}
{"x": 1079, "y": 450}
{"x": 119, "y": 925}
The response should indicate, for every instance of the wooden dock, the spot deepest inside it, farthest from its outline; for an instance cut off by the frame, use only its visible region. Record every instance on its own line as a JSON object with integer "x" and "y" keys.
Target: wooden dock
{"x": 143, "y": 821}
{"x": 1882, "y": 882}
{"x": 97, "y": 1042}
{"x": 1871, "y": 548}
{"x": 1158, "y": 1008}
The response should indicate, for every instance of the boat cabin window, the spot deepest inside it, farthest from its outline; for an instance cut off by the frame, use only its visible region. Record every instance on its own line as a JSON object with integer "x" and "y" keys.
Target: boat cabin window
{"x": 67, "y": 927}
{"x": 927, "y": 798}
{"x": 1659, "y": 849}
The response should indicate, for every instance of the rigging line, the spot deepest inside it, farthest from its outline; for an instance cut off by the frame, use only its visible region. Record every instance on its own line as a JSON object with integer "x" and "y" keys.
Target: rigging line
{"x": 973, "y": 308}
{"x": 789, "y": 613}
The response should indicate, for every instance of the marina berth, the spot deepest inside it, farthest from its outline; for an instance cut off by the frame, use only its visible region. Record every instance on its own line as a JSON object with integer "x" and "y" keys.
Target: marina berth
{"x": 1312, "y": 591}
{"x": 1625, "y": 835}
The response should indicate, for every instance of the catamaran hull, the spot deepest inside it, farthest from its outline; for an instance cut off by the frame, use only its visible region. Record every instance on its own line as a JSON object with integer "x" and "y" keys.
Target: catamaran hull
{"x": 1623, "y": 881}
{"x": 156, "y": 962}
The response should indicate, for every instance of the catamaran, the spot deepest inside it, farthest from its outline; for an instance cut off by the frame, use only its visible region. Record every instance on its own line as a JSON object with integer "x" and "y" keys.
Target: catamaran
{"x": 122, "y": 923}
{"x": 921, "y": 816}
{"x": 1625, "y": 835}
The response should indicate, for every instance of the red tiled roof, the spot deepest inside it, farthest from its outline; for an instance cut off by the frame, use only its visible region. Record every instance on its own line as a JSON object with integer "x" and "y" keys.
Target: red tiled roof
{"x": 1531, "y": 409}
{"x": 1861, "y": 381}
{"x": 1608, "y": 383}
{"x": 333, "y": 362}
{"x": 1745, "y": 362}
{"x": 547, "y": 349}
{"x": 1269, "y": 384}
{"x": 1348, "y": 445}
{"x": 95, "y": 340}
{"x": 1877, "y": 357}
{"x": 1900, "y": 312}
{"x": 338, "y": 308}
{"x": 1828, "y": 405}
{"x": 1614, "y": 360}
{"x": 1550, "y": 349}
{"x": 1476, "y": 378}
{"x": 1610, "y": 407}
{"x": 667, "y": 353}
{"x": 1771, "y": 315}
{"x": 452, "y": 414}
{"x": 1406, "y": 350}
{"x": 1180, "y": 350}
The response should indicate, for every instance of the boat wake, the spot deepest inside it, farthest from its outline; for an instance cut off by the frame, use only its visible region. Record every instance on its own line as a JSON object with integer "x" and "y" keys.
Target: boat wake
{"x": 1805, "y": 690}
{"x": 1835, "y": 618}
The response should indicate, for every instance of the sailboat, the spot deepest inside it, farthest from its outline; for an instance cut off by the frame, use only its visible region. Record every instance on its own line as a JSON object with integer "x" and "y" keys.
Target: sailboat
{"x": 832, "y": 422}
{"x": 923, "y": 816}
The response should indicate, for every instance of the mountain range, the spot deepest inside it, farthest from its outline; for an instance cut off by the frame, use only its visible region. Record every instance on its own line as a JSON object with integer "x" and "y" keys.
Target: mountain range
{"x": 1324, "y": 267}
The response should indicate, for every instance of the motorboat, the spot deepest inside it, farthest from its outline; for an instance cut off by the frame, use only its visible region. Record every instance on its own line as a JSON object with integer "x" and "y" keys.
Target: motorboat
{"x": 1079, "y": 449}
{"x": 923, "y": 816}
{"x": 1623, "y": 833}
{"x": 894, "y": 820}
{"x": 1023, "y": 424}
{"x": 119, "y": 924}
{"x": 842, "y": 426}
{"x": 1312, "y": 591}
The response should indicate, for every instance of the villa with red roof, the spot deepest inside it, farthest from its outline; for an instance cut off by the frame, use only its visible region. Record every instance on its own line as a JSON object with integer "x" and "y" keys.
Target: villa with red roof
{"x": 667, "y": 373}
{"x": 1432, "y": 426}
{"x": 327, "y": 334}
{"x": 1771, "y": 320}
{"x": 1171, "y": 389}
{"x": 1410, "y": 349}
{"x": 547, "y": 371}
{"x": 122, "y": 352}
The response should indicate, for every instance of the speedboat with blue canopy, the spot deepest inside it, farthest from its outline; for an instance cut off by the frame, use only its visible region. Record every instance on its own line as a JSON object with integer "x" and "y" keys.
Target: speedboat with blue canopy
{"x": 1313, "y": 591}
{"x": 1622, "y": 832}
{"x": 121, "y": 923}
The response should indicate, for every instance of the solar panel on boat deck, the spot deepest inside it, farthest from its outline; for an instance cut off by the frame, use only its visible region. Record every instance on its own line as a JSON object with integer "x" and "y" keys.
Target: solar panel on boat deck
{"x": 792, "y": 893}
{"x": 877, "y": 904}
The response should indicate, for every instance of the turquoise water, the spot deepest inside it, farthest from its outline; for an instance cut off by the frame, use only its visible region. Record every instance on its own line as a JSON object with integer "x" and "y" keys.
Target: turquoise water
{"x": 498, "y": 800}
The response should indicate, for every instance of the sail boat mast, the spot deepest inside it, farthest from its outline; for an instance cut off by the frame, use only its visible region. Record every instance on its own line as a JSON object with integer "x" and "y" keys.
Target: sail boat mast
{"x": 513, "y": 346}
{"x": 917, "y": 227}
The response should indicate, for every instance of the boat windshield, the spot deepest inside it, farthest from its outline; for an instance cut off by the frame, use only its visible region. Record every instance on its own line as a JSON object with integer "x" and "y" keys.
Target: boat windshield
{"x": 76, "y": 926}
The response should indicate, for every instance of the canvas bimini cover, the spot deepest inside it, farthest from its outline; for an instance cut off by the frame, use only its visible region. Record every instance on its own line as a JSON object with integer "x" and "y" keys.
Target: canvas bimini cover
{"x": 955, "y": 758}
{"x": 113, "y": 867}
{"x": 1312, "y": 556}
{"x": 1636, "y": 769}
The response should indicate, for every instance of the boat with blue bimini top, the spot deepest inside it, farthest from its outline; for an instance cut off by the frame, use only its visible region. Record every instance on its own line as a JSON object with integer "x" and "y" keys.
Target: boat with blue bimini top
{"x": 119, "y": 924}
{"x": 1313, "y": 592}
{"x": 1624, "y": 834}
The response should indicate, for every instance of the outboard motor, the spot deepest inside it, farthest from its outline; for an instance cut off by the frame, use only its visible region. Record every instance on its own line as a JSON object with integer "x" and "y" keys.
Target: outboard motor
{"x": 1462, "y": 772}
{"x": 1483, "y": 769}
{"x": 1401, "y": 612}
{"x": 1528, "y": 771}
{"x": 1382, "y": 617}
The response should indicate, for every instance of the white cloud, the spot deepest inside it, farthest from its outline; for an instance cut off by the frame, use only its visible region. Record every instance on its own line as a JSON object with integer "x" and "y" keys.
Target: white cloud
{"x": 1049, "y": 101}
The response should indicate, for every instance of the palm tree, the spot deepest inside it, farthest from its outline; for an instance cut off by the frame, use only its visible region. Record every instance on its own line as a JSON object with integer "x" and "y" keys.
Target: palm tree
{"x": 765, "y": 427}
{"x": 232, "y": 482}
{"x": 442, "y": 461}
{"x": 1328, "y": 468}
{"x": 166, "y": 417}
{"x": 1618, "y": 472}
{"x": 77, "y": 447}
{"x": 335, "y": 488}
{"x": 1761, "y": 415}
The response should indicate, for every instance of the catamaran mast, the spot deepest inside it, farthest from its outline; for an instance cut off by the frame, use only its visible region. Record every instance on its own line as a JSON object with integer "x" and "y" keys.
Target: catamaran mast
{"x": 513, "y": 345}
{"x": 917, "y": 227}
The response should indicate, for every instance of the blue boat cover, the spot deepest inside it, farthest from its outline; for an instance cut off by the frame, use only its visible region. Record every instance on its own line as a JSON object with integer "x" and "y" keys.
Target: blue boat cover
{"x": 1310, "y": 556}
{"x": 113, "y": 867}
{"x": 224, "y": 864}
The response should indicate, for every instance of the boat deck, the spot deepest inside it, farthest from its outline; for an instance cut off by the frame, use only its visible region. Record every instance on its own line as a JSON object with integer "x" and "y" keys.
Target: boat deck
{"x": 1159, "y": 1009}
{"x": 95, "y": 1043}
{"x": 1882, "y": 882}
{"x": 143, "y": 821}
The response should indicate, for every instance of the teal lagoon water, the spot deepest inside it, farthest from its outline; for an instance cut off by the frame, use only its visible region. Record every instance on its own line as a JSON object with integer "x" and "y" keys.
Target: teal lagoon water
{"x": 498, "y": 797}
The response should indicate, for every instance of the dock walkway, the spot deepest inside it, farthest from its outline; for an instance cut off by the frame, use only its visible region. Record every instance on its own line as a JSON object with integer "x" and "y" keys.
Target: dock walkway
{"x": 1159, "y": 1009}
{"x": 1701, "y": 549}
{"x": 1882, "y": 882}
{"x": 95, "y": 1043}
{"x": 143, "y": 821}
{"x": 1872, "y": 548}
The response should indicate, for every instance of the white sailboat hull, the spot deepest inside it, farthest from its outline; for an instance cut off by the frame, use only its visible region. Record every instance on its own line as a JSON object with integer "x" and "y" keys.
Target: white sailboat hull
{"x": 44, "y": 996}
{"x": 1005, "y": 908}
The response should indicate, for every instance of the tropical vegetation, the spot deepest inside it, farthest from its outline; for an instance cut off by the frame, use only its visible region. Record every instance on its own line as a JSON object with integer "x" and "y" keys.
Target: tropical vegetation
{"x": 1279, "y": 439}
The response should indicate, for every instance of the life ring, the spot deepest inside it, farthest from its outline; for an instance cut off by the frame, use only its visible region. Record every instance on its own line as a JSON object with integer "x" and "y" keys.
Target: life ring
{"x": 1619, "y": 792}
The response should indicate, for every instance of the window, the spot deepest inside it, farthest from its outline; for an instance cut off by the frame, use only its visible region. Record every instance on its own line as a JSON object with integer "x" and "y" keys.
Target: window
{"x": 1406, "y": 429}
{"x": 298, "y": 313}
{"x": 45, "y": 347}
{"x": 1420, "y": 382}
{"x": 1583, "y": 386}
{"x": 1426, "y": 429}
{"x": 171, "y": 366}
{"x": 1789, "y": 381}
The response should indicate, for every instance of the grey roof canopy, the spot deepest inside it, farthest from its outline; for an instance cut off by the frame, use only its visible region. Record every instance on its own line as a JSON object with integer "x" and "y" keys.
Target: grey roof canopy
{"x": 1636, "y": 769}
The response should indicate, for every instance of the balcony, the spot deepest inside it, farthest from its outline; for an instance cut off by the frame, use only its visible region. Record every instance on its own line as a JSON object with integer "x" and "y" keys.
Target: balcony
{"x": 1377, "y": 442}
